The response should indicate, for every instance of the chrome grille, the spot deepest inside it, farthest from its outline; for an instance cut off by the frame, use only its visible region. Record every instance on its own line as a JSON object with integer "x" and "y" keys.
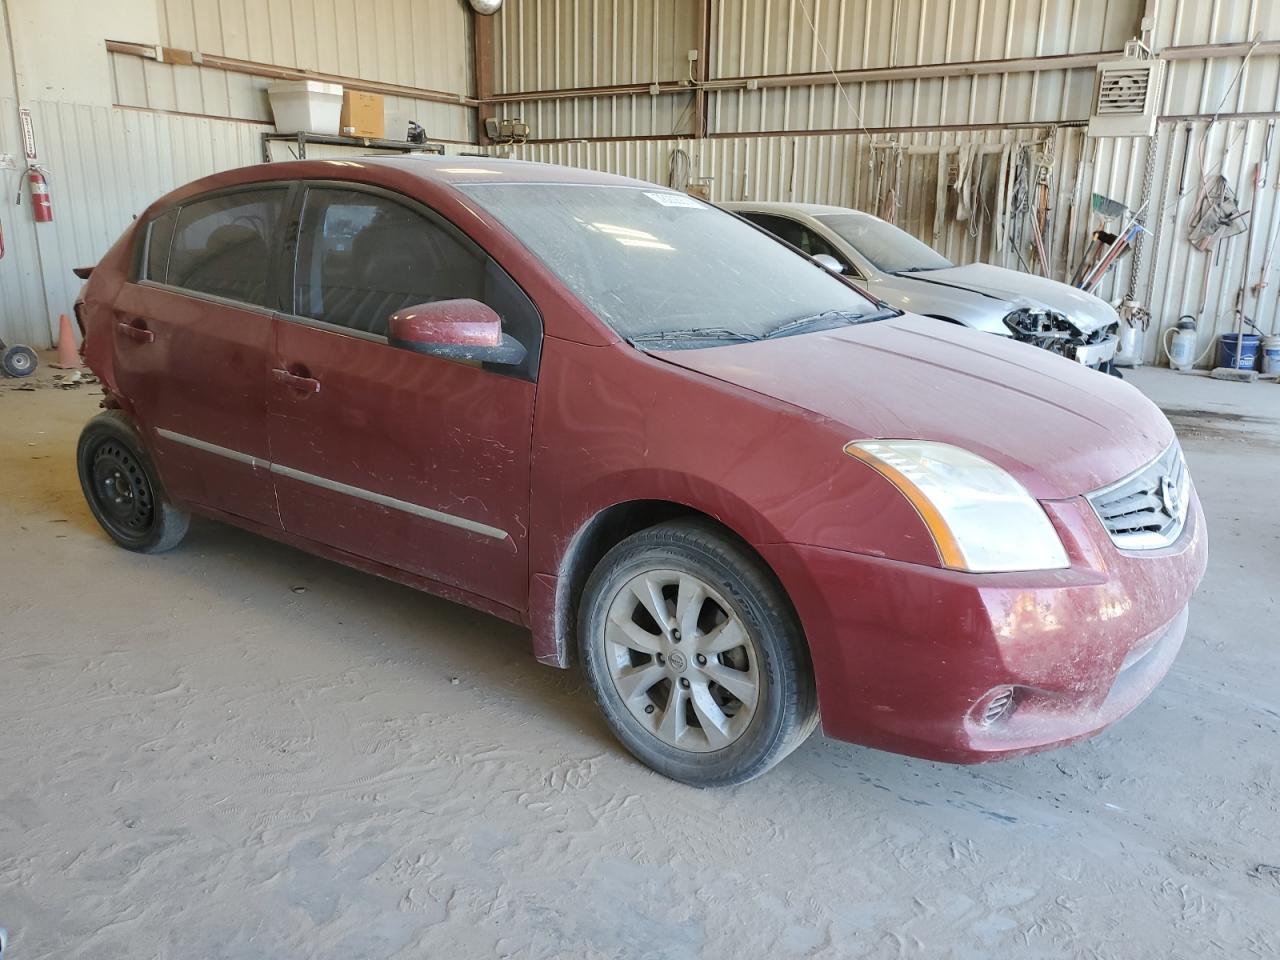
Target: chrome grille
{"x": 1146, "y": 509}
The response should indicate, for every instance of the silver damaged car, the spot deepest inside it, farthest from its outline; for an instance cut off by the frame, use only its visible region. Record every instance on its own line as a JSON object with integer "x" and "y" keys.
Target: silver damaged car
{"x": 897, "y": 268}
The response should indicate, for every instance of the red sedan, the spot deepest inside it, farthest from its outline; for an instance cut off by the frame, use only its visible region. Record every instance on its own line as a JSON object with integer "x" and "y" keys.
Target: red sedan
{"x": 744, "y": 496}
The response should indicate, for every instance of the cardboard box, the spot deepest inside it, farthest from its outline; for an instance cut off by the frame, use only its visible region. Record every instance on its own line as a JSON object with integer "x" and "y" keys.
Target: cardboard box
{"x": 362, "y": 115}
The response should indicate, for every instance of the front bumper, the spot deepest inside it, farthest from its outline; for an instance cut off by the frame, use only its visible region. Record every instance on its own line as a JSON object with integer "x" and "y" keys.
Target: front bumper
{"x": 906, "y": 656}
{"x": 1096, "y": 354}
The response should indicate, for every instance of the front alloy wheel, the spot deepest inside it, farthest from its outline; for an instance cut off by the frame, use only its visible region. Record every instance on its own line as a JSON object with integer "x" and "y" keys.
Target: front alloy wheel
{"x": 695, "y": 656}
{"x": 681, "y": 660}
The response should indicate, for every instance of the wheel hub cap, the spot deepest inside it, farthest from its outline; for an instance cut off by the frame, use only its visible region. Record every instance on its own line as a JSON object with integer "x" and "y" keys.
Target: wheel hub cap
{"x": 682, "y": 660}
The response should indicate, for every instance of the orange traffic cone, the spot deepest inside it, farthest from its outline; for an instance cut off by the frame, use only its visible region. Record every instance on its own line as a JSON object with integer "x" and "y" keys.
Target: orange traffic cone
{"x": 68, "y": 359}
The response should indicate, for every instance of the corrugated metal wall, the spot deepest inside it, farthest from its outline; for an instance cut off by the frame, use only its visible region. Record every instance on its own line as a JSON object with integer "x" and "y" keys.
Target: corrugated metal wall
{"x": 806, "y": 142}
{"x": 781, "y": 142}
{"x": 201, "y": 91}
{"x": 174, "y": 123}
{"x": 136, "y": 156}
{"x": 647, "y": 41}
{"x": 417, "y": 43}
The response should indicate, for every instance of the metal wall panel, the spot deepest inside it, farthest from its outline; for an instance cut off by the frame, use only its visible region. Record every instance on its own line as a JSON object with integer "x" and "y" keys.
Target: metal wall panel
{"x": 553, "y": 44}
{"x": 105, "y": 166}
{"x": 202, "y": 91}
{"x": 755, "y": 37}
{"x": 23, "y": 316}
{"x": 421, "y": 43}
{"x": 628, "y": 115}
{"x": 1179, "y": 279}
{"x": 841, "y": 170}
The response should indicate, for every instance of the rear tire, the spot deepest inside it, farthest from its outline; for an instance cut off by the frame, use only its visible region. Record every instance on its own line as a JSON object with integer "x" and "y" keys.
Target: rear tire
{"x": 723, "y": 689}
{"x": 122, "y": 487}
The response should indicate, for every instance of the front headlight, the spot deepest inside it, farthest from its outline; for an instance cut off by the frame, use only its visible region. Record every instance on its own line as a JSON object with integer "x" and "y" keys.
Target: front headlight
{"x": 981, "y": 518}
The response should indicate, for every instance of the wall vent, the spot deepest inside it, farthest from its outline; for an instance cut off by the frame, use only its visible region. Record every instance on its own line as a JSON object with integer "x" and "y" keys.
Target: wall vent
{"x": 1126, "y": 95}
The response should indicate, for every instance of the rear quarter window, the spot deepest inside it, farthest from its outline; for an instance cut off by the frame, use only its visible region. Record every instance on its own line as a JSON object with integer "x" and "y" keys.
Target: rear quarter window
{"x": 221, "y": 246}
{"x": 158, "y": 238}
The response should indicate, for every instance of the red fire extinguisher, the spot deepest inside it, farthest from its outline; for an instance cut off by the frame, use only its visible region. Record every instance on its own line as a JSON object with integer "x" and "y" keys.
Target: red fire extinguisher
{"x": 41, "y": 205}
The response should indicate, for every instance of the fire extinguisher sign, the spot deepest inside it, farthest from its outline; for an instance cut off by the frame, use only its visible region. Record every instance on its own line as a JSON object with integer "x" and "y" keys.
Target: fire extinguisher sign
{"x": 28, "y": 133}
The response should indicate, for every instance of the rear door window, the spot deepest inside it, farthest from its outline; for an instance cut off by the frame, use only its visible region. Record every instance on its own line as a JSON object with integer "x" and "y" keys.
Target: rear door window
{"x": 222, "y": 246}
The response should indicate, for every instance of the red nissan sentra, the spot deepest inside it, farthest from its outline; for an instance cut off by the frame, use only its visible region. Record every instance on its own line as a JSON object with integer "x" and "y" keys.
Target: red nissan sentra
{"x": 743, "y": 495}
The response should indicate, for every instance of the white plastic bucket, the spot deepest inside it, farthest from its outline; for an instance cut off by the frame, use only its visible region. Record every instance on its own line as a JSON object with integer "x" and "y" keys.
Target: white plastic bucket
{"x": 1271, "y": 355}
{"x": 306, "y": 106}
{"x": 1129, "y": 353}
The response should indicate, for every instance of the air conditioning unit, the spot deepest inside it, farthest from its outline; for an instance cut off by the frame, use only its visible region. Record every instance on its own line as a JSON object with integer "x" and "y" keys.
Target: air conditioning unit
{"x": 1126, "y": 94}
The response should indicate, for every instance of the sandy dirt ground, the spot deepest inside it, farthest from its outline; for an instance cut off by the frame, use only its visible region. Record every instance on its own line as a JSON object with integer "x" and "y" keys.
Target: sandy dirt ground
{"x": 236, "y": 750}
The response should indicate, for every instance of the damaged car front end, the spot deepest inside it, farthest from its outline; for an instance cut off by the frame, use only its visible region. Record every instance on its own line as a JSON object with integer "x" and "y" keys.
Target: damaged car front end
{"x": 1090, "y": 344}
{"x": 900, "y": 270}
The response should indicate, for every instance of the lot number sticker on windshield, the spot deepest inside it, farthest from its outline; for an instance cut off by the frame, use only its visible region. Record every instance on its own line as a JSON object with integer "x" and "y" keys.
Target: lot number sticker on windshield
{"x": 674, "y": 200}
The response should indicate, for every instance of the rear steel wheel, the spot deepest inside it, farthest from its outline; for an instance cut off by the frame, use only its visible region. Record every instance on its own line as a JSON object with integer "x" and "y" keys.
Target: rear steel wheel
{"x": 121, "y": 491}
{"x": 122, "y": 488}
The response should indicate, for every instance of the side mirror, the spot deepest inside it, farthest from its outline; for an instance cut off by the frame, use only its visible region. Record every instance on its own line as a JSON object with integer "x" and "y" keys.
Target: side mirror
{"x": 454, "y": 330}
{"x": 829, "y": 262}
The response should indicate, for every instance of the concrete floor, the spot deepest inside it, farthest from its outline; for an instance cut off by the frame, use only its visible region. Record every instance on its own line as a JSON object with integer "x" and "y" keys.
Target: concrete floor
{"x": 236, "y": 750}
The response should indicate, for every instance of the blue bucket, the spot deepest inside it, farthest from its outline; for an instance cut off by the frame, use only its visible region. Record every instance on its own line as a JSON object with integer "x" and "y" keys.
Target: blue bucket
{"x": 1239, "y": 351}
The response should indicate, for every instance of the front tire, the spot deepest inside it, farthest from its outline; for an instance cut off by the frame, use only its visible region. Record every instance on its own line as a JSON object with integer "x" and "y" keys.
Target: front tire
{"x": 122, "y": 488}
{"x": 695, "y": 656}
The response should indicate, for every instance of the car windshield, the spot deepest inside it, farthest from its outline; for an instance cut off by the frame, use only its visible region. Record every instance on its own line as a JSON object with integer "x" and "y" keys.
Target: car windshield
{"x": 889, "y": 249}
{"x": 660, "y": 265}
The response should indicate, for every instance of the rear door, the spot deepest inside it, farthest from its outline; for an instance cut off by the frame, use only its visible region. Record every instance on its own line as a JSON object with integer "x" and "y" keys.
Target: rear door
{"x": 193, "y": 337}
{"x": 412, "y": 461}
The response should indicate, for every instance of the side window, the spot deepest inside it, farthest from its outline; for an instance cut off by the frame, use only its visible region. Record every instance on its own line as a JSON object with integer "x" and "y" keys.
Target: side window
{"x": 812, "y": 244}
{"x": 801, "y": 237}
{"x": 159, "y": 240}
{"x": 222, "y": 246}
{"x": 780, "y": 227}
{"x": 362, "y": 257}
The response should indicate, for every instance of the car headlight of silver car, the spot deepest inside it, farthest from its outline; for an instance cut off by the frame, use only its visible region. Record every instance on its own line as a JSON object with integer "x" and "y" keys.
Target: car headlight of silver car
{"x": 981, "y": 518}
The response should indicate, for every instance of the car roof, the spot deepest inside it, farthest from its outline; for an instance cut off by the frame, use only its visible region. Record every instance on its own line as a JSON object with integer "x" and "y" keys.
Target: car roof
{"x": 462, "y": 170}
{"x": 809, "y": 209}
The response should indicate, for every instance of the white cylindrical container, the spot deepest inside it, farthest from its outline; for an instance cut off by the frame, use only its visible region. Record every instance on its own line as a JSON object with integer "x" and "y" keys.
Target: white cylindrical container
{"x": 1271, "y": 355}
{"x": 1129, "y": 352}
{"x": 1182, "y": 347}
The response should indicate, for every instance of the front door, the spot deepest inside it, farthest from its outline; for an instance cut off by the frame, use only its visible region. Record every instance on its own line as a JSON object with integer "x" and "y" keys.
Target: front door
{"x": 193, "y": 344}
{"x": 408, "y": 460}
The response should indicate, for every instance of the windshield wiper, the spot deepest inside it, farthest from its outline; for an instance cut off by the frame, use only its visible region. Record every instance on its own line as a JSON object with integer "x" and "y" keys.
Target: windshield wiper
{"x": 830, "y": 318}
{"x": 898, "y": 273}
{"x": 699, "y": 333}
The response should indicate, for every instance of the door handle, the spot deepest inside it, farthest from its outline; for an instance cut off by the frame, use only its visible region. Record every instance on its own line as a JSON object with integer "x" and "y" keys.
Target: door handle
{"x": 137, "y": 330}
{"x": 297, "y": 381}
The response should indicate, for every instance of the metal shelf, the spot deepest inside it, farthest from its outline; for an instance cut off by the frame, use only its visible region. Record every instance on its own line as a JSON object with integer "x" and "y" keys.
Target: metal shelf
{"x": 300, "y": 141}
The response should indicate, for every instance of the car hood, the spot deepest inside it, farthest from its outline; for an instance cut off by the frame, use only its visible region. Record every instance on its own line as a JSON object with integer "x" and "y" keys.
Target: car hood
{"x": 1087, "y": 312}
{"x": 1061, "y": 429}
